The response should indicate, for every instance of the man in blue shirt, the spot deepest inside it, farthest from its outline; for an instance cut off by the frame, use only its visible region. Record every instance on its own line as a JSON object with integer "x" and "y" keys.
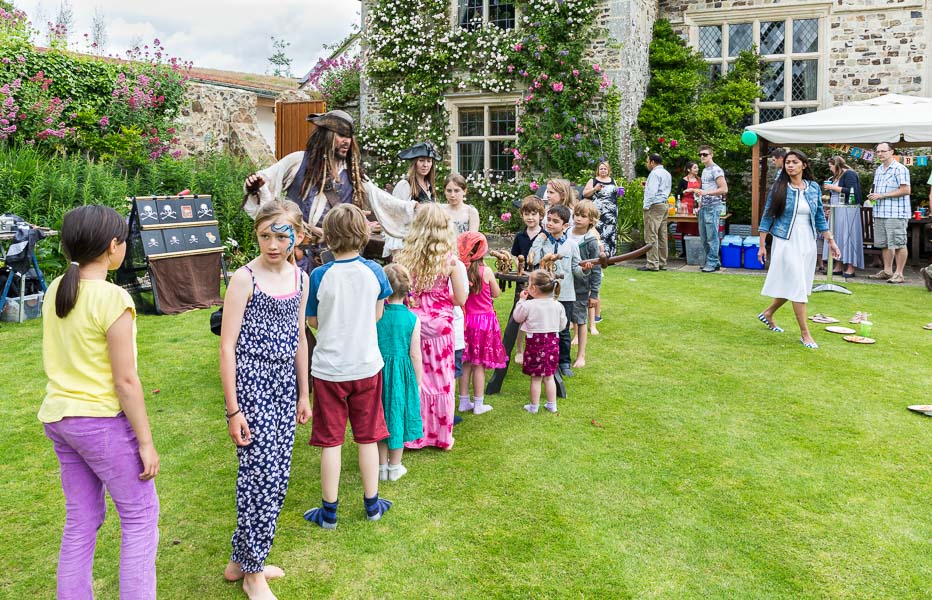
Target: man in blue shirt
{"x": 656, "y": 210}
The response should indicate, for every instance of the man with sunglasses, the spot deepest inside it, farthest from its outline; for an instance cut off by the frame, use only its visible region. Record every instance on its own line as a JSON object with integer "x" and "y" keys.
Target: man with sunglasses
{"x": 710, "y": 194}
{"x": 891, "y": 212}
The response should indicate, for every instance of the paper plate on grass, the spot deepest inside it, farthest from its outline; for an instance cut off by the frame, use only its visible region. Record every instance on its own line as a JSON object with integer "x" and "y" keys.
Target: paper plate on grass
{"x": 839, "y": 329}
{"x": 929, "y": 326}
{"x": 820, "y": 318}
{"x": 923, "y": 409}
{"x": 859, "y": 339}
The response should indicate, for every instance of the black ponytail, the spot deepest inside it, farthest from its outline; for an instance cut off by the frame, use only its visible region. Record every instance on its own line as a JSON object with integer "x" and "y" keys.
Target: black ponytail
{"x": 86, "y": 233}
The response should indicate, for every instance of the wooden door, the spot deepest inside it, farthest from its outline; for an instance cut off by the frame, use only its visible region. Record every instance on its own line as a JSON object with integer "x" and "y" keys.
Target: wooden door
{"x": 291, "y": 126}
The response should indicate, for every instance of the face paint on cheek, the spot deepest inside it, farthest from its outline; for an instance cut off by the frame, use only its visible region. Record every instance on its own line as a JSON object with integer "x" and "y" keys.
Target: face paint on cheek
{"x": 285, "y": 229}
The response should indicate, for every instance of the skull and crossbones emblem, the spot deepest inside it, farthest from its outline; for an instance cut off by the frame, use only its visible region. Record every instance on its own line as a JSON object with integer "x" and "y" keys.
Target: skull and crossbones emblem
{"x": 192, "y": 239}
{"x": 204, "y": 211}
{"x": 168, "y": 213}
{"x": 148, "y": 213}
{"x": 153, "y": 243}
{"x": 174, "y": 241}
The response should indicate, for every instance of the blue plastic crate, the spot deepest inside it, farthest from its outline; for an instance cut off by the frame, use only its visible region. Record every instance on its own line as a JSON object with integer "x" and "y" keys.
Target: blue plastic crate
{"x": 731, "y": 251}
{"x": 751, "y": 246}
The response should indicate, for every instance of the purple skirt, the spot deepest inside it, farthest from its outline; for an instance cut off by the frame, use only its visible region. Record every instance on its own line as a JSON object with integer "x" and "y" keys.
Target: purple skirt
{"x": 541, "y": 354}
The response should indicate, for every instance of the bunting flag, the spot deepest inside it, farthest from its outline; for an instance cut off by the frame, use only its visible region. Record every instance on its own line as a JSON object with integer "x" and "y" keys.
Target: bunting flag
{"x": 866, "y": 154}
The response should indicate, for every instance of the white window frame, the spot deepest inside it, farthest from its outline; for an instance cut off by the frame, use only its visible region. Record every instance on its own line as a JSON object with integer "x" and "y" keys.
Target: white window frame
{"x": 755, "y": 16}
{"x": 455, "y": 10}
{"x": 457, "y": 102}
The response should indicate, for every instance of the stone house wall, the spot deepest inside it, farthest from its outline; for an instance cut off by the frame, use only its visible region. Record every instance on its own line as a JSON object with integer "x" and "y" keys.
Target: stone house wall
{"x": 221, "y": 118}
{"x": 872, "y": 47}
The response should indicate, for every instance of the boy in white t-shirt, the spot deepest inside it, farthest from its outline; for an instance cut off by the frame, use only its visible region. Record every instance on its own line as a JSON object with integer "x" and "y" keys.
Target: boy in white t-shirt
{"x": 344, "y": 304}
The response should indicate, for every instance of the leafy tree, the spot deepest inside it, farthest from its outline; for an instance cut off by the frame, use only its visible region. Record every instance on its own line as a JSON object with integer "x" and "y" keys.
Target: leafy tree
{"x": 279, "y": 62}
{"x": 64, "y": 21}
{"x": 687, "y": 104}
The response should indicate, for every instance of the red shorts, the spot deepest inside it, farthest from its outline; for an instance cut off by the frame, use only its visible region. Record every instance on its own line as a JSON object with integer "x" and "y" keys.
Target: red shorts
{"x": 360, "y": 400}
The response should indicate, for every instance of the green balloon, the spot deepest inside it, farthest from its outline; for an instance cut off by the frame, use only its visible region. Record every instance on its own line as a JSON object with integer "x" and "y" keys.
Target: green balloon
{"x": 748, "y": 138}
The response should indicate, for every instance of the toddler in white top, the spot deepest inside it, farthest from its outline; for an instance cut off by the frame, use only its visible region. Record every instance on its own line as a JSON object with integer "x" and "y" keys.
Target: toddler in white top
{"x": 541, "y": 318}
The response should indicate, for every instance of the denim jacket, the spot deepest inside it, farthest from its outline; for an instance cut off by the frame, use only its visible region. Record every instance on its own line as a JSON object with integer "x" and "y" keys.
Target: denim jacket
{"x": 782, "y": 225}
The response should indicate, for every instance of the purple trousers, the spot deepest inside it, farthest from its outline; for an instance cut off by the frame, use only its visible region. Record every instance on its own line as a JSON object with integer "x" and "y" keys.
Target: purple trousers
{"x": 99, "y": 455}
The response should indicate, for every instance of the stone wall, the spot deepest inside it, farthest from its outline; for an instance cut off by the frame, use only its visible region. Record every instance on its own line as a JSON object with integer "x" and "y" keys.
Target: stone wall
{"x": 872, "y": 47}
{"x": 630, "y": 24}
{"x": 219, "y": 118}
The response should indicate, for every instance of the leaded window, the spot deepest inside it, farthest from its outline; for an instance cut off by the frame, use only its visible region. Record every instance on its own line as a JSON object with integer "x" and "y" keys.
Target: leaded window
{"x": 790, "y": 49}
{"x": 471, "y": 14}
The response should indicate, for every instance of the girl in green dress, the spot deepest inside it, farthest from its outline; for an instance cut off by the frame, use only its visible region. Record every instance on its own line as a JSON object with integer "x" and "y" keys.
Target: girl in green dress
{"x": 400, "y": 344}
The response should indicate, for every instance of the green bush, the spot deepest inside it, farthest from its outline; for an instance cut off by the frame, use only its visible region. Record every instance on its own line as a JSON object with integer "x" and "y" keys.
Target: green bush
{"x": 41, "y": 189}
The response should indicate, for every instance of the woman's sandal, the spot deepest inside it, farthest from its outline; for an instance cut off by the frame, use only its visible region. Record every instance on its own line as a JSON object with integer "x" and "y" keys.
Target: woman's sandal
{"x": 810, "y": 345}
{"x": 769, "y": 325}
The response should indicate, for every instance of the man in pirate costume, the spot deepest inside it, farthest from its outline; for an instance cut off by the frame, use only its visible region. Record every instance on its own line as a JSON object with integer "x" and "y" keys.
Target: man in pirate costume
{"x": 326, "y": 173}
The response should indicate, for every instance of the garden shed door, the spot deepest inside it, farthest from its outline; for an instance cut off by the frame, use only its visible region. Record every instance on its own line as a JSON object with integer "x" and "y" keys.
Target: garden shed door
{"x": 291, "y": 126}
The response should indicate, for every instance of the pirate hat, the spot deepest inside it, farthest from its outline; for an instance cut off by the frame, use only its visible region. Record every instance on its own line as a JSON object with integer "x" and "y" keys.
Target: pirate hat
{"x": 337, "y": 121}
{"x": 421, "y": 150}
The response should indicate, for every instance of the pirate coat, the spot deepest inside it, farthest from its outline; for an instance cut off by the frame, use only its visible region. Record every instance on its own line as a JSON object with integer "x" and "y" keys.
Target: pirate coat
{"x": 284, "y": 178}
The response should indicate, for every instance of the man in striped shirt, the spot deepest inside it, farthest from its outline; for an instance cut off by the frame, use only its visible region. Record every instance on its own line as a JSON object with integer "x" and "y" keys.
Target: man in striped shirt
{"x": 891, "y": 212}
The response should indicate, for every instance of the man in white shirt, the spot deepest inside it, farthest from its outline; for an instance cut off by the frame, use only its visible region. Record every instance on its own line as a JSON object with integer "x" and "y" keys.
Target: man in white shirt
{"x": 656, "y": 210}
{"x": 710, "y": 196}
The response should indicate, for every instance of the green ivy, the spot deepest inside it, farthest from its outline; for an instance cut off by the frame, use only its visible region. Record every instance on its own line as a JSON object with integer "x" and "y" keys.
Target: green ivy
{"x": 416, "y": 56}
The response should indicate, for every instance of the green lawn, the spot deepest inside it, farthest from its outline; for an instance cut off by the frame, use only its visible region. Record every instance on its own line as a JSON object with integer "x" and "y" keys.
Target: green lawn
{"x": 698, "y": 456}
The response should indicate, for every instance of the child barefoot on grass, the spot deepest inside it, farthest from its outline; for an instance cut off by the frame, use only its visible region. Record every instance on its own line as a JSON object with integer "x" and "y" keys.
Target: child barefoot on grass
{"x": 588, "y": 282}
{"x": 400, "y": 344}
{"x": 532, "y": 213}
{"x": 541, "y": 318}
{"x": 484, "y": 349}
{"x": 263, "y": 367}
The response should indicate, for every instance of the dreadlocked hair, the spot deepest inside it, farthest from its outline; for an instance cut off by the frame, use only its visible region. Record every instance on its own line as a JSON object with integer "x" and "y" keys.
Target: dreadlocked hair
{"x": 545, "y": 282}
{"x": 428, "y": 247}
{"x": 321, "y": 161}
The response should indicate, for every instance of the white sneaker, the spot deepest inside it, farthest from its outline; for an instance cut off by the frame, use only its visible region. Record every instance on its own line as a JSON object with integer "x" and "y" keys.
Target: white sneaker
{"x": 551, "y": 407}
{"x": 532, "y": 408}
{"x": 396, "y": 472}
{"x": 383, "y": 472}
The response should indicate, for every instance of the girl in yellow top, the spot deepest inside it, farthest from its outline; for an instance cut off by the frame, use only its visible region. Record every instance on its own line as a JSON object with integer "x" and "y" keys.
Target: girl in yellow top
{"x": 94, "y": 411}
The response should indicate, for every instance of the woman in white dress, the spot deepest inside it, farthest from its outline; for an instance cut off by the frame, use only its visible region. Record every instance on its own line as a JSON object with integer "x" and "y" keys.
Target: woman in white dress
{"x": 417, "y": 185}
{"x": 793, "y": 216}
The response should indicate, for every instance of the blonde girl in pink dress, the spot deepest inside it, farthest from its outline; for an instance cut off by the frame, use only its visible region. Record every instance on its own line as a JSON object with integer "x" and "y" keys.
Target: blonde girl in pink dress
{"x": 429, "y": 256}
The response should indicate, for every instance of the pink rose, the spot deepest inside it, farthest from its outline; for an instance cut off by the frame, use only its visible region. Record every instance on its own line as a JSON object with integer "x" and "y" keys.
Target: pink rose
{"x": 534, "y": 186}
{"x": 518, "y": 47}
{"x": 674, "y": 143}
{"x": 506, "y": 217}
{"x": 558, "y": 86}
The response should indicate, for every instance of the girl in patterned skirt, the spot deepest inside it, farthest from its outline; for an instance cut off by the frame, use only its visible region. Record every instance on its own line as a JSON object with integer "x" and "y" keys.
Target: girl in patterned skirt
{"x": 484, "y": 349}
{"x": 428, "y": 256}
{"x": 263, "y": 367}
{"x": 542, "y": 318}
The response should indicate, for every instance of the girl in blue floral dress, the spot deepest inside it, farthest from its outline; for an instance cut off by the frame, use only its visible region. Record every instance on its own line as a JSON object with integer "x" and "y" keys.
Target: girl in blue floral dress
{"x": 263, "y": 367}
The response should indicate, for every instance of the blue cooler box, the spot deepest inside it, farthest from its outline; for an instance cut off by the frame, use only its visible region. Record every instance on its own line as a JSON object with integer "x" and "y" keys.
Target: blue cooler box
{"x": 731, "y": 251}
{"x": 751, "y": 247}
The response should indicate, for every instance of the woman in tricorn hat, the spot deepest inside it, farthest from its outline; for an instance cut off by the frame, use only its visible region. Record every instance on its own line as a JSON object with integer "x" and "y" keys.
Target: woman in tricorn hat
{"x": 417, "y": 185}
